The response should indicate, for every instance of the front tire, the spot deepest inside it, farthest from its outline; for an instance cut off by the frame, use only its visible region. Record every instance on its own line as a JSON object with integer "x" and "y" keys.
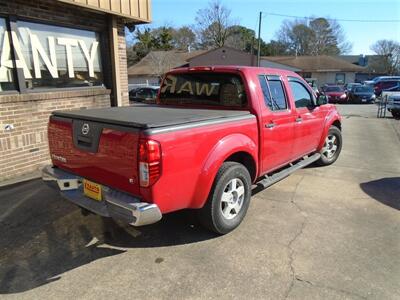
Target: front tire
{"x": 396, "y": 114}
{"x": 332, "y": 147}
{"x": 229, "y": 199}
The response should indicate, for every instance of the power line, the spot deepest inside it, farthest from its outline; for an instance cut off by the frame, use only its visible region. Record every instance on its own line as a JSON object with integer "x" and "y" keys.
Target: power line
{"x": 331, "y": 19}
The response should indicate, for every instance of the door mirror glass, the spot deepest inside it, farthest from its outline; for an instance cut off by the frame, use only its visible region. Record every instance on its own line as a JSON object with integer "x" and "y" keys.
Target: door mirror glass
{"x": 322, "y": 99}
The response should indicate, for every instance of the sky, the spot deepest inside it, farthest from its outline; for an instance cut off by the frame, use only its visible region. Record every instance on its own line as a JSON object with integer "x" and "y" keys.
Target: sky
{"x": 245, "y": 12}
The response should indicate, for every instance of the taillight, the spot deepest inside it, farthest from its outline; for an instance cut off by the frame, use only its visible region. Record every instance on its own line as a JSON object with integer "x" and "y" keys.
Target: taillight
{"x": 149, "y": 162}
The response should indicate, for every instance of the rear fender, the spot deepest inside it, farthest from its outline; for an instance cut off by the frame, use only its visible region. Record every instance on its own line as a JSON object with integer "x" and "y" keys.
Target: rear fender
{"x": 332, "y": 118}
{"x": 223, "y": 149}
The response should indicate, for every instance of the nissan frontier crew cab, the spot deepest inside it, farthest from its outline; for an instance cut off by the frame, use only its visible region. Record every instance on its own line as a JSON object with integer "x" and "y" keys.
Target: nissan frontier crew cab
{"x": 214, "y": 132}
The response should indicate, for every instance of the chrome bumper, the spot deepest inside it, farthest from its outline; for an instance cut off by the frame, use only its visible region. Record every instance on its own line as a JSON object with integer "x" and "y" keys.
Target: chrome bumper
{"x": 115, "y": 204}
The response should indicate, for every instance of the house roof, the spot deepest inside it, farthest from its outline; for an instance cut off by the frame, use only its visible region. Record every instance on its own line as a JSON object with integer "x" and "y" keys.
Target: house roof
{"x": 372, "y": 63}
{"x": 321, "y": 63}
{"x": 159, "y": 62}
{"x": 205, "y": 52}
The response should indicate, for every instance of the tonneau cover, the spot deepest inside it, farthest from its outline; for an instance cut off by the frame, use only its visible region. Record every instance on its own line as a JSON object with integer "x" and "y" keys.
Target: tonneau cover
{"x": 149, "y": 116}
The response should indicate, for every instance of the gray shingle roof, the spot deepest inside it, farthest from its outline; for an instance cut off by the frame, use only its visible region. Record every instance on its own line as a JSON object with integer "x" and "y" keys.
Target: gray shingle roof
{"x": 159, "y": 62}
{"x": 321, "y": 63}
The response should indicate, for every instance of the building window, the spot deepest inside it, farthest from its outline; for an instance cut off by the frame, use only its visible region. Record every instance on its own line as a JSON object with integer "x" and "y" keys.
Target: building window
{"x": 48, "y": 56}
{"x": 7, "y": 80}
{"x": 340, "y": 78}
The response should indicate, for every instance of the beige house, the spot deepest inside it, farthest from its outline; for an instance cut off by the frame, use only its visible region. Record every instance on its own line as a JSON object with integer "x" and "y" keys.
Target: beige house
{"x": 56, "y": 55}
{"x": 150, "y": 68}
{"x": 223, "y": 56}
{"x": 324, "y": 68}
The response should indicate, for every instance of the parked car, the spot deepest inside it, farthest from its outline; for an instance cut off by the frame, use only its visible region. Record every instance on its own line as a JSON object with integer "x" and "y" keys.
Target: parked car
{"x": 385, "y": 84}
{"x": 214, "y": 133}
{"x": 361, "y": 94}
{"x": 143, "y": 94}
{"x": 392, "y": 98}
{"x": 335, "y": 94}
{"x": 393, "y": 105}
{"x": 349, "y": 86}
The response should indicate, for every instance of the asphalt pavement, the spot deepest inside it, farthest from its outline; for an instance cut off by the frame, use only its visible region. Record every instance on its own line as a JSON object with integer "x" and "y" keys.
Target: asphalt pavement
{"x": 322, "y": 233}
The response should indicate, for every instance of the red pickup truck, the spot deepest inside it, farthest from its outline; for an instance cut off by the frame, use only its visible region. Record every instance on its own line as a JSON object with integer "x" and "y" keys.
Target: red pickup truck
{"x": 214, "y": 132}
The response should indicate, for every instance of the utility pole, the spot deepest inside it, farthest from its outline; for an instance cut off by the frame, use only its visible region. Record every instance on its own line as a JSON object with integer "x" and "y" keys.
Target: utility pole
{"x": 259, "y": 40}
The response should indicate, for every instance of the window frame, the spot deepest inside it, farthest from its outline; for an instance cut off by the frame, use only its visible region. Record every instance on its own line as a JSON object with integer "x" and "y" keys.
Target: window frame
{"x": 340, "y": 74}
{"x": 279, "y": 78}
{"x": 306, "y": 86}
{"x": 11, "y": 25}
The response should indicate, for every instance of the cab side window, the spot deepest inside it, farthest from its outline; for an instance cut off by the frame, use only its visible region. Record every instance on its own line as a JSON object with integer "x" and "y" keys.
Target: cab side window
{"x": 274, "y": 95}
{"x": 302, "y": 97}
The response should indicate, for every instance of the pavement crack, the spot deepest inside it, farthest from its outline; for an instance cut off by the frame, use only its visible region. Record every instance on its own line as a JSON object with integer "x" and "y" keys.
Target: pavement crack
{"x": 294, "y": 276}
{"x": 295, "y": 237}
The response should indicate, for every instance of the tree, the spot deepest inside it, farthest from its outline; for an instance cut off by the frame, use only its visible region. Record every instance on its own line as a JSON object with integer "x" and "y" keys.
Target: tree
{"x": 163, "y": 37}
{"x": 213, "y": 25}
{"x": 389, "y": 52}
{"x": 244, "y": 39}
{"x": 273, "y": 48}
{"x": 183, "y": 38}
{"x": 320, "y": 36}
{"x": 145, "y": 42}
{"x": 329, "y": 37}
{"x": 241, "y": 38}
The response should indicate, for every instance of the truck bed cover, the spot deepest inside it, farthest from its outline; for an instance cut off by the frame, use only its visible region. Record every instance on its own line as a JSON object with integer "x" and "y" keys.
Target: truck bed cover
{"x": 149, "y": 116}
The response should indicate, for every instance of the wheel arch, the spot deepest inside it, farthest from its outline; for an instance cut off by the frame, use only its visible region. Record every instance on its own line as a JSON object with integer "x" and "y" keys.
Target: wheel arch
{"x": 235, "y": 147}
{"x": 332, "y": 119}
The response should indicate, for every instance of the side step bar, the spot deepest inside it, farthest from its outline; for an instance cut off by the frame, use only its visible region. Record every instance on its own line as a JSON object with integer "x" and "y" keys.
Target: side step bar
{"x": 275, "y": 177}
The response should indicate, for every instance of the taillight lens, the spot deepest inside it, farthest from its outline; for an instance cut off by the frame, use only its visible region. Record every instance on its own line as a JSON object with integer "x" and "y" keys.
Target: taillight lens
{"x": 149, "y": 162}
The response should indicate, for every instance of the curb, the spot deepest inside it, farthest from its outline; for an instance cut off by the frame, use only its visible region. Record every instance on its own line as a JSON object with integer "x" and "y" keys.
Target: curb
{"x": 20, "y": 179}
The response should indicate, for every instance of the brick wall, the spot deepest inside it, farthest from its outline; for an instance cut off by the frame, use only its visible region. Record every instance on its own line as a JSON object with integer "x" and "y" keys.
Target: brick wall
{"x": 123, "y": 65}
{"x": 25, "y": 148}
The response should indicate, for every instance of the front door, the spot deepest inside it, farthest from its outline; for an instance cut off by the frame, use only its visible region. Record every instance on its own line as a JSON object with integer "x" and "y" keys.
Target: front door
{"x": 308, "y": 119}
{"x": 278, "y": 124}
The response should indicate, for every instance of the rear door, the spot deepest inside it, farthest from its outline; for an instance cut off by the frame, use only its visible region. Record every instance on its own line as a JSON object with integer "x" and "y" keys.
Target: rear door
{"x": 278, "y": 124}
{"x": 309, "y": 119}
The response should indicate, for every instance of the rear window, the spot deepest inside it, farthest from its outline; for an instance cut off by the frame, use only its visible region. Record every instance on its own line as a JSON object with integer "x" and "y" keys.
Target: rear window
{"x": 215, "y": 89}
{"x": 364, "y": 89}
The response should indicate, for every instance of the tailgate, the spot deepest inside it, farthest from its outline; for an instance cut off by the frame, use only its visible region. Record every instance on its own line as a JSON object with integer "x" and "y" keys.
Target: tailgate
{"x": 103, "y": 153}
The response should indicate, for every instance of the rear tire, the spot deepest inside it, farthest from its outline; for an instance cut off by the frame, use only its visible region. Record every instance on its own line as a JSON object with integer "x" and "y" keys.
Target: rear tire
{"x": 332, "y": 147}
{"x": 229, "y": 199}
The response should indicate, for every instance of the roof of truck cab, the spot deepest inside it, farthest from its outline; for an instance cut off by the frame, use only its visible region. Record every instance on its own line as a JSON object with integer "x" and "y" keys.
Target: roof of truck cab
{"x": 230, "y": 68}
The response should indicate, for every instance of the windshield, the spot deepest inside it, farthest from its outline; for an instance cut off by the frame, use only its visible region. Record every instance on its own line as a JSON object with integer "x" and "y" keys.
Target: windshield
{"x": 333, "y": 89}
{"x": 363, "y": 89}
{"x": 203, "y": 88}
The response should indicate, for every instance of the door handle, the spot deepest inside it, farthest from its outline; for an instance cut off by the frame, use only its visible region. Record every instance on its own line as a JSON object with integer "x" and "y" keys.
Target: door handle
{"x": 299, "y": 119}
{"x": 270, "y": 125}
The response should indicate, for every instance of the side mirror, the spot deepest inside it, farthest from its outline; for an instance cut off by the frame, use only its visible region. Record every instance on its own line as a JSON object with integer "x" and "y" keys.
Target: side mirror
{"x": 322, "y": 99}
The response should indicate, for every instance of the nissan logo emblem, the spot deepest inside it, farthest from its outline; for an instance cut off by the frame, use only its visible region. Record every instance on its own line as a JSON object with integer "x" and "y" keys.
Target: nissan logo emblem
{"x": 85, "y": 128}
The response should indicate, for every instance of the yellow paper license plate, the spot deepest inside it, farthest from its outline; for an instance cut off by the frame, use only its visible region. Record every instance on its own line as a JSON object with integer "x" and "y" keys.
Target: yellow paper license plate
{"x": 92, "y": 190}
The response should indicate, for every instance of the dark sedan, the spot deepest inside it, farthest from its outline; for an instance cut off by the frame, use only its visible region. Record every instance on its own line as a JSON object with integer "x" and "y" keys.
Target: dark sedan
{"x": 143, "y": 94}
{"x": 362, "y": 94}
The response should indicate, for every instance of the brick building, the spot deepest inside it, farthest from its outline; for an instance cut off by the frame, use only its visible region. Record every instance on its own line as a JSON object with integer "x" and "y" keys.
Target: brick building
{"x": 56, "y": 55}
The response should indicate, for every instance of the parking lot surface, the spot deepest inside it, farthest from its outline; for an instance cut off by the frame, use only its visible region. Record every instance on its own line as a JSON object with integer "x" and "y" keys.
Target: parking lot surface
{"x": 322, "y": 233}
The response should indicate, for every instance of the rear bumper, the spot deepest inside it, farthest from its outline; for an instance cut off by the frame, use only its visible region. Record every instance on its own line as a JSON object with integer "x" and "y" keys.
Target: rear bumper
{"x": 114, "y": 204}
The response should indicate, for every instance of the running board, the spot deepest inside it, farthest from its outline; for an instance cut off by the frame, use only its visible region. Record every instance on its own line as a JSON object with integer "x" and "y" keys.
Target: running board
{"x": 275, "y": 177}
